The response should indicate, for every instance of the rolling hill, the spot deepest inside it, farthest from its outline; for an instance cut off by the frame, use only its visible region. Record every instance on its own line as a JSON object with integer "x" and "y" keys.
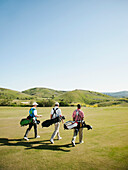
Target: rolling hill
{"x": 43, "y": 92}
{"x": 12, "y": 94}
{"x": 65, "y": 98}
{"x": 84, "y": 96}
{"x": 75, "y": 96}
{"x": 121, "y": 94}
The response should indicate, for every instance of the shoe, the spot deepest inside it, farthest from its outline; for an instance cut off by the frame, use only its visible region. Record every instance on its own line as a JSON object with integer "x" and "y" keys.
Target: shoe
{"x": 26, "y": 138}
{"x": 59, "y": 138}
{"x": 81, "y": 142}
{"x": 51, "y": 140}
{"x": 73, "y": 143}
{"x": 37, "y": 137}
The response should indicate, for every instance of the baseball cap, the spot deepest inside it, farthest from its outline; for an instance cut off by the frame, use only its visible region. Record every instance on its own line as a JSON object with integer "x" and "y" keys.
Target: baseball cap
{"x": 35, "y": 104}
{"x": 57, "y": 103}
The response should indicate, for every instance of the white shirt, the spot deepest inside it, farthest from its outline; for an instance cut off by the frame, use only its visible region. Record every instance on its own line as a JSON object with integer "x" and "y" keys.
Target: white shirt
{"x": 58, "y": 112}
{"x": 35, "y": 111}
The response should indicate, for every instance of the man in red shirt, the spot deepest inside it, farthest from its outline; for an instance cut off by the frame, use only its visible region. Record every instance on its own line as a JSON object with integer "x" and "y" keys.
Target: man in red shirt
{"x": 78, "y": 115}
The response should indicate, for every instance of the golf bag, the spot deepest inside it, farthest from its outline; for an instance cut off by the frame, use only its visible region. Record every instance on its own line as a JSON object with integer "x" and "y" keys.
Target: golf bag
{"x": 76, "y": 124}
{"x": 28, "y": 120}
{"x": 49, "y": 122}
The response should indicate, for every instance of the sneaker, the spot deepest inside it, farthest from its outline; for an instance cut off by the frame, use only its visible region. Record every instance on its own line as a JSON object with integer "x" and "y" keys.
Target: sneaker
{"x": 59, "y": 138}
{"x": 73, "y": 143}
{"x": 26, "y": 138}
{"x": 37, "y": 137}
{"x": 81, "y": 142}
{"x": 51, "y": 140}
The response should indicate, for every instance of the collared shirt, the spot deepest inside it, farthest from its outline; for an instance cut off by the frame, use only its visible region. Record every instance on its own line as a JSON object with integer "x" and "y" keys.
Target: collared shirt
{"x": 78, "y": 115}
{"x": 58, "y": 112}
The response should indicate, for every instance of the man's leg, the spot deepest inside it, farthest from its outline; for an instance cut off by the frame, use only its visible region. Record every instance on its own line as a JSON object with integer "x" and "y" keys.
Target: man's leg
{"x": 74, "y": 136}
{"x": 81, "y": 135}
{"x": 58, "y": 133}
{"x": 55, "y": 132}
{"x": 35, "y": 129}
{"x": 27, "y": 131}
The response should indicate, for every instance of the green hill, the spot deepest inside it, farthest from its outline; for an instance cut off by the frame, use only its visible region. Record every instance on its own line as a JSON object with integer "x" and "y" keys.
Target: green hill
{"x": 43, "y": 92}
{"x": 12, "y": 94}
{"x": 12, "y": 97}
{"x": 120, "y": 94}
{"x": 84, "y": 96}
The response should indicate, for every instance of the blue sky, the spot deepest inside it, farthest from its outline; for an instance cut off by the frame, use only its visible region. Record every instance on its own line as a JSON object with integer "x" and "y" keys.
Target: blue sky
{"x": 64, "y": 44}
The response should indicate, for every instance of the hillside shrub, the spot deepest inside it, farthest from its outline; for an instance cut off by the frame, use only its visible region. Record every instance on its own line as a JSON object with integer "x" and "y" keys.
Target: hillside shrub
{"x": 111, "y": 103}
{"x": 5, "y": 102}
{"x": 64, "y": 103}
{"x": 46, "y": 103}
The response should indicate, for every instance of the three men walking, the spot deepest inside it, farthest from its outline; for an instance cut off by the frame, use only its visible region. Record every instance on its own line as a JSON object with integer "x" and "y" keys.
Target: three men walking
{"x": 78, "y": 116}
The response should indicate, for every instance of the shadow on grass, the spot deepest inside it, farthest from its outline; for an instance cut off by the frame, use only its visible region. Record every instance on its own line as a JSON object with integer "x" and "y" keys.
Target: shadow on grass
{"x": 44, "y": 145}
{"x": 47, "y": 146}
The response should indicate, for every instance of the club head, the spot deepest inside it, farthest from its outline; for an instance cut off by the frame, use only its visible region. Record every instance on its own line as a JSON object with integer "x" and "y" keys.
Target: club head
{"x": 89, "y": 127}
{"x": 63, "y": 117}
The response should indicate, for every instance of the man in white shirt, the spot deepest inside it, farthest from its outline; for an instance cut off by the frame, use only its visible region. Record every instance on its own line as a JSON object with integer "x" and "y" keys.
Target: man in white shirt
{"x": 55, "y": 112}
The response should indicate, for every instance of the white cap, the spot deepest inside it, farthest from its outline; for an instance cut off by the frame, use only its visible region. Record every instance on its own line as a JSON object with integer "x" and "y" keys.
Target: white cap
{"x": 35, "y": 104}
{"x": 57, "y": 103}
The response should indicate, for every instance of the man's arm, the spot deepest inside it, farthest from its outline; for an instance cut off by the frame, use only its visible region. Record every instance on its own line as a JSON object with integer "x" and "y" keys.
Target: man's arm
{"x": 82, "y": 115}
{"x": 36, "y": 115}
{"x": 73, "y": 115}
{"x": 51, "y": 114}
{"x": 39, "y": 116}
{"x": 60, "y": 114}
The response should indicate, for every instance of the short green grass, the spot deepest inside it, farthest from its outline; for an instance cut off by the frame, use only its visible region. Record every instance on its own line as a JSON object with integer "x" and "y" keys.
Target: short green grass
{"x": 105, "y": 147}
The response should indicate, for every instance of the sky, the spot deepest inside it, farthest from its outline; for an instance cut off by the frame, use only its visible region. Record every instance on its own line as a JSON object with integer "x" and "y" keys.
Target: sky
{"x": 64, "y": 44}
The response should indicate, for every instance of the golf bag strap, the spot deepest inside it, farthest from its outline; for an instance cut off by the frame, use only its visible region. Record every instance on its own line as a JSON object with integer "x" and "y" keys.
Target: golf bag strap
{"x": 78, "y": 114}
{"x": 54, "y": 111}
{"x": 31, "y": 112}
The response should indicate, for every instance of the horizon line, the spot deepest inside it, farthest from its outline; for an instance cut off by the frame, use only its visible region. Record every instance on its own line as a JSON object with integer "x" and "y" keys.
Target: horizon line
{"x": 63, "y": 90}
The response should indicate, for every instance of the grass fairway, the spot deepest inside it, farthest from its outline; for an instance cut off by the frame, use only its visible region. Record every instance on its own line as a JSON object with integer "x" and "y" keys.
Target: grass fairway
{"x": 105, "y": 147}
